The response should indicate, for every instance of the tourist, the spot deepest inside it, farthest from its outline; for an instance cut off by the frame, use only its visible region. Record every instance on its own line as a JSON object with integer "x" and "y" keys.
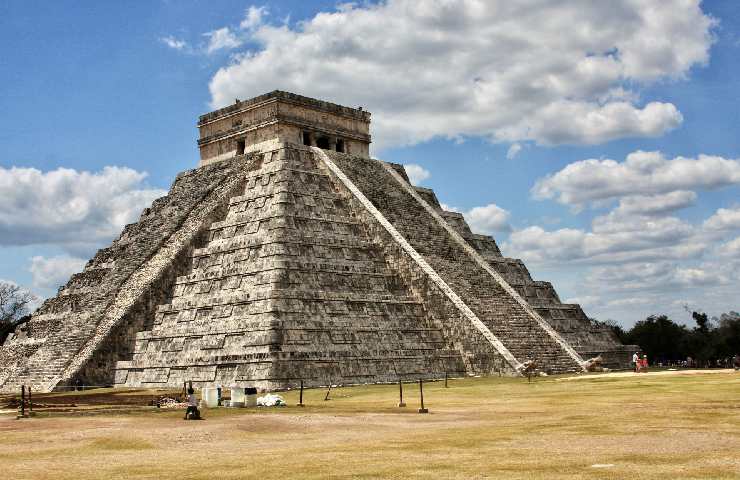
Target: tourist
{"x": 192, "y": 406}
{"x": 636, "y": 362}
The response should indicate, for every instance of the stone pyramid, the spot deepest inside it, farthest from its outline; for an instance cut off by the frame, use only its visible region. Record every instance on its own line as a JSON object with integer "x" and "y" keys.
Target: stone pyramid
{"x": 291, "y": 256}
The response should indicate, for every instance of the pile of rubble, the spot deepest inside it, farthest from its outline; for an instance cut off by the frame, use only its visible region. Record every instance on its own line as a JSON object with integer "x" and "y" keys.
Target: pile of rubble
{"x": 168, "y": 402}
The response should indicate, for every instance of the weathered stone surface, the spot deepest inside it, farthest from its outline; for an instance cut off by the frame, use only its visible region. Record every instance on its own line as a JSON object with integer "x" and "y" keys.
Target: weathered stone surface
{"x": 588, "y": 338}
{"x": 264, "y": 122}
{"x": 293, "y": 263}
{"x": 91, "y": 323}
{"x": 290, "y": 287}
{"x": 493, "y": 301}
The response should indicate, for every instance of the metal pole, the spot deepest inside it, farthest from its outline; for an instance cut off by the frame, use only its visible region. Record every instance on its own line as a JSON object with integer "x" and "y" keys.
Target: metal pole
{"x": 300, "y": 398}
{"x": 421, "y": 395}
{"x": 446, "y": 380}
{"x": 401, "y": 403}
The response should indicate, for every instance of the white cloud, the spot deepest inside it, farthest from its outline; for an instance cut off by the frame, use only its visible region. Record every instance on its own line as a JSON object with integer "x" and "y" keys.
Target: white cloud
{"x": 724, "y": 219}
{"x": 253, "y": 18}
{"x": 507, "y": 71}
{"x": 416, "y": 173}
{"x": 656, "y": 276}
{"x": 691, "y": 277}
{"x": 613, "y": 238}
{"x": 225, "y": 38}
{"x": 632, "y": 291}
{"x": 730, "y": 249}
{"x": 536, "y": 244}
{"x": 638, "y": 258}
{"x": 220, "y": 39}
{"x": 488, "y": 219}
{"x": 630, "y": 301}
{"x": 642, "y": 173}
{"x": 513, "y": 150}
{"x": 638, "y": 254}
{"x": 584, "y": 301}
{"x": 590, "y": 123}
{"x": 174, "y": 43}
{"x": 74, "y": 210}
{"x": 53, "y": 272}
{"x": 656, "y": 204}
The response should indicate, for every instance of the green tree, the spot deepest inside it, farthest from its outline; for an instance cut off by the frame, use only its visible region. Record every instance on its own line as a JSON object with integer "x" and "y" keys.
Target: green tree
{"x": 660, "y": 338}
{"x": 728, "y": 334}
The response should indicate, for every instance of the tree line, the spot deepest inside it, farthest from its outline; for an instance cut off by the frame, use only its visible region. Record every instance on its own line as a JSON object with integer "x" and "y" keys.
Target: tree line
{"x": 710, "y": 342}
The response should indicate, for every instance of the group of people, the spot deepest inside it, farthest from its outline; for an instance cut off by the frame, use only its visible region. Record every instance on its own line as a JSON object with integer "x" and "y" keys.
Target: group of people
{"x": 640, "y": 364}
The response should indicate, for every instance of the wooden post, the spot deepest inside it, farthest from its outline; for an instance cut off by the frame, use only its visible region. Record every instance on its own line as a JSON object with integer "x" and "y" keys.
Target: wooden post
{"x": 23, "y": 400}
{"x": 401, "y": 403}
{"x": 300, "y": 398}
{"x": 421, "y": 396}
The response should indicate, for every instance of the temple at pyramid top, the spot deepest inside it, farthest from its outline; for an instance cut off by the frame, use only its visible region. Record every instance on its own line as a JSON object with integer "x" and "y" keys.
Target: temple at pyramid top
{"x": 277, "y": 117}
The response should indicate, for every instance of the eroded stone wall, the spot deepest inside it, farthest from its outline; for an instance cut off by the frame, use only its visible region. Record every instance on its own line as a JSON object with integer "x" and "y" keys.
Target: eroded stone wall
{"x": 588, "y": 338}
{"x": 281, "y": 117}
{"x": 508, "y": 319}
{"x": 90, "y": 321}
{"x": 291, "y": 286}
{"x": 294, "y": 264}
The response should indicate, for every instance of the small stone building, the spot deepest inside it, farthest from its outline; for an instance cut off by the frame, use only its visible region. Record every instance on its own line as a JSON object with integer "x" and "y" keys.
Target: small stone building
{"x": 289, "y": 255}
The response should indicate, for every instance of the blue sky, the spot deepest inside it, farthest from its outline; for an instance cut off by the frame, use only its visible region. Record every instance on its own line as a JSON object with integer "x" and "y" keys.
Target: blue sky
{"x": 525, "y": 119}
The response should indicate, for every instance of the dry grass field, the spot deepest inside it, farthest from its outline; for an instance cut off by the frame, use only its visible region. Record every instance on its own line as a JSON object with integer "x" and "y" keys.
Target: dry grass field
{"x": 615, "y": 426}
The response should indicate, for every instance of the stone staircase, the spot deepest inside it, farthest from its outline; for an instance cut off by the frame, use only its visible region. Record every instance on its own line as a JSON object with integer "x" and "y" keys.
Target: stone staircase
{"x": 288, "y": 265}
{"x": 507, "y": 319}
{"x": 588, "y": 338}
{"x": 71, "y": 337}
{"x": 289, "y": 287}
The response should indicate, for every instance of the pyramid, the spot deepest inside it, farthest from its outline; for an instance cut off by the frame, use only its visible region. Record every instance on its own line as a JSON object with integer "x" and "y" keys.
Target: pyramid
{"x": 290, "y": 256}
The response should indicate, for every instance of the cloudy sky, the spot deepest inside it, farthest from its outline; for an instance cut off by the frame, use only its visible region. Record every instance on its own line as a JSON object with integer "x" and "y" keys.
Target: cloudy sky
{"x": 598, "y": 141}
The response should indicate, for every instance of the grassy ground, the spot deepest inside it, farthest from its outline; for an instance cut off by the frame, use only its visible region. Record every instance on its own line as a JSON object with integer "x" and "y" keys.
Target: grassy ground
{"x": 633, "y": 426}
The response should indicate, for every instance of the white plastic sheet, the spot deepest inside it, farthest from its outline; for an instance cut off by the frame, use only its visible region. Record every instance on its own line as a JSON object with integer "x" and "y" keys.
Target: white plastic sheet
{"x": 270, "y": 400}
